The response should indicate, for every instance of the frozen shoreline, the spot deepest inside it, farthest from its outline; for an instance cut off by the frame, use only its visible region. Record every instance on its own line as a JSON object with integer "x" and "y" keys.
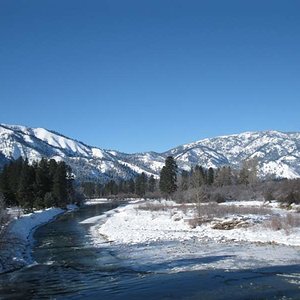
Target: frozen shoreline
{"x": 163, "y": 239}
{"x": 18, "y": 239}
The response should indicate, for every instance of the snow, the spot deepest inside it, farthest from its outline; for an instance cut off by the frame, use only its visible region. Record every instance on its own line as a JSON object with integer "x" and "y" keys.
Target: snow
{"x": 142, "y": 235}
{"x": 97, "y": 153}
{"x": 72, "y": 207}
{"x": 280, "y": 169}
{"x": 20, "y": 232}
{"x": 278, "y": 153}
{"x": 130, "y": 224}
{"x": 23, "y": 226}
{"x": 95, "y": 201}
{"x": 93, "y": 220}
{"x": 136, "y": 168}
{"x": 57, "y": 140}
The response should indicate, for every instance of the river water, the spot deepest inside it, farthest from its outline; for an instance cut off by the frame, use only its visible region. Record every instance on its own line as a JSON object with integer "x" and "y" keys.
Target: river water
{"x": 68, "y": 266}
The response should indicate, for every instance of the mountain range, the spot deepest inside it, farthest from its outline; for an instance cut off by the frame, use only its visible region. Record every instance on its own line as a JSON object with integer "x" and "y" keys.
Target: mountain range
{"x": 278, "y": 153}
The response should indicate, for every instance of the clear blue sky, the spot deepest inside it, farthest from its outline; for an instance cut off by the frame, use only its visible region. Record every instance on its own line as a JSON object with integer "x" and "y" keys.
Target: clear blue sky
{"x": 149, "y": 75}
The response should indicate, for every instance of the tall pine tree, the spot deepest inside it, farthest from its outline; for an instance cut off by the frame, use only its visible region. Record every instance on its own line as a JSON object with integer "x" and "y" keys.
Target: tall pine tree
{"x": 168, "y": 177}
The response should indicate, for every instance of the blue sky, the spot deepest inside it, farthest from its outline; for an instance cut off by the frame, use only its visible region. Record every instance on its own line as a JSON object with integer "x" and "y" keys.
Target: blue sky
{"x": 150, "y": 75}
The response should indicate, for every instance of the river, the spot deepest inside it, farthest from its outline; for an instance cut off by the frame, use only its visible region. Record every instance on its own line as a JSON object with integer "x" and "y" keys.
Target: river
{"x": 68, "y": 266}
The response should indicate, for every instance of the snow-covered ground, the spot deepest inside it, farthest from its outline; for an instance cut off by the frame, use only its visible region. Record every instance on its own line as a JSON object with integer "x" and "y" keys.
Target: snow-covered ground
{"x": 163, "y": 234}
{"x": 96, "y": 201}
{"x": 15, "y": 251}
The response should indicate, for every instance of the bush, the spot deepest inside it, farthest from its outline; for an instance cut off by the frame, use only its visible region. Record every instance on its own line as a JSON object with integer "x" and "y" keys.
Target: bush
{"x": 214, "y": 210}
{"x": 150, "y": 206}
{"x": 217, "y": 197}
{"x": 286, "y": 223}
{"x": 292, "y": 197}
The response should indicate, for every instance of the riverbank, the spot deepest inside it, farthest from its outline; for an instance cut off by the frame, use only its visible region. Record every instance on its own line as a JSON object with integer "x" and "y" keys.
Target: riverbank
{"x": 165, "y": 236}
{"x": 15, "y": 251}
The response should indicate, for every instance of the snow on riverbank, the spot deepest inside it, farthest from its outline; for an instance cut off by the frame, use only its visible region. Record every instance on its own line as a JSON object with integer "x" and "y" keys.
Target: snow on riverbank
{"x": 96, "y": 201}
{"x": 159, "y": 236}
{"x": 22, "y": 228}
{"x": 18, "y": 238}
{"x": 168, "y": 221}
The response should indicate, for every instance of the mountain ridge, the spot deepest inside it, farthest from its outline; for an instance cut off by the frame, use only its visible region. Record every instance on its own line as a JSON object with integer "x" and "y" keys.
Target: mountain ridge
{"x": 278, "y": 153}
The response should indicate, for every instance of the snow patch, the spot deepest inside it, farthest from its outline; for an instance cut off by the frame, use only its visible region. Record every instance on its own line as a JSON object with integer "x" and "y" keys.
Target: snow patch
{"x": 16, "y": 253}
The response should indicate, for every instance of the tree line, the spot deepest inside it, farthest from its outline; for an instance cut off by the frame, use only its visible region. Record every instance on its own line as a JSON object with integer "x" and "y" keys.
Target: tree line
{"x": 225, "y": 183}
{"x": 171, "y": 181}
{"x": 139, "y": 186}
{"x": 49, "y": 183}
{"x": 43, "y": 184}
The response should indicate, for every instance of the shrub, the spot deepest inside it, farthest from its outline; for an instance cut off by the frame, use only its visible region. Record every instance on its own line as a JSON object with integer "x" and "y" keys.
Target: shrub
{"x": 286, "y": 223}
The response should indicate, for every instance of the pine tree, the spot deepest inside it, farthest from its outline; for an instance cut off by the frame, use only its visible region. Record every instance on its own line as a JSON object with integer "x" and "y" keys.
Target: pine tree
{"x": 38, "y": 185}
{"x": 42, "y": 179}
{"x": 25, "y": 193}
{"x": 8, "y": 194}
{"x": 140, "y": 184}
{"x": 131, "y": 186}
{"x": 168, "y": 177}
{"x": 59, "y": 188}
{"x": 210, "y": 176}
{"x": 151, "y": 184}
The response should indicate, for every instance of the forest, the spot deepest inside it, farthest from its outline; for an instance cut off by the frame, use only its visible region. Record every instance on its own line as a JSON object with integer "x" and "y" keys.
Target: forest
{"x": 48, "y": 183}
{"x": 43, "y": 184}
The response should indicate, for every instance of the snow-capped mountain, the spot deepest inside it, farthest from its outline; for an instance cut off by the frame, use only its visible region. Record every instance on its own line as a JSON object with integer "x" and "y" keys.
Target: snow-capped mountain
{"x": 278, "y": 153}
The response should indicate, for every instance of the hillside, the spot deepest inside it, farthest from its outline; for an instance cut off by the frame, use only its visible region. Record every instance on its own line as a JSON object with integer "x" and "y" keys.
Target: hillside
{"x": 278, "y": 153}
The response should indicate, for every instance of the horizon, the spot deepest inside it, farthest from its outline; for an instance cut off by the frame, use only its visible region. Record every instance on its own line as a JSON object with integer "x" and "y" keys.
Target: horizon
{"x": 135, "y": 76}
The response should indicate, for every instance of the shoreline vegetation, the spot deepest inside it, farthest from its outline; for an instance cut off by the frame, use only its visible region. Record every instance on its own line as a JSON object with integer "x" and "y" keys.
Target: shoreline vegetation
{"x": 219, "y": 205}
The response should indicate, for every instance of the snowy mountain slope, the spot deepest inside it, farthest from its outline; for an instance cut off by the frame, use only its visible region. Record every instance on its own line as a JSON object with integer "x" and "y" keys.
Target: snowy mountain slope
{"x": 278, "y": 153}
{"x": 35, "y": 143}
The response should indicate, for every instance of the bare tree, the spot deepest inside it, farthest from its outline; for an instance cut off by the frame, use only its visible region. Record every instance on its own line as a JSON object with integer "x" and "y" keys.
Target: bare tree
{"x": 248, "y": 172}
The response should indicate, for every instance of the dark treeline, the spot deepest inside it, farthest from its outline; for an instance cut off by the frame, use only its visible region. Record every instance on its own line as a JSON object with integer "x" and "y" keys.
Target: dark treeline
{"x": 42, "y": 184}
{"x": 141, "y": 186}
{"x": 49, "y": 183}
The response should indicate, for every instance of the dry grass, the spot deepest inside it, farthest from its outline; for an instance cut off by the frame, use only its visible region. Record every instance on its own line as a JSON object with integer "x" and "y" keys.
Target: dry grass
{"x": 208, "y": 212}
{"x": 149, "y": 206}
{"x": 286, "y": 223}
{"x": 214, "y": 210}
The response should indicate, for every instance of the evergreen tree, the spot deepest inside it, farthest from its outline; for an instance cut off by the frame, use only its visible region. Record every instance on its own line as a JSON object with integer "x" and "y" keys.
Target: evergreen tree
{"x": 26, "y": 194}
{"x": 168, "y": 176}
{"x": 210, "y": 176}
{"x": 140, "y": 184}
{"x": 131, "y": 186}
{"x": 36, "y": 185}
{"x": 59, "y": 188}
{"x": 42, "y": 179}
{"x": 8, "y": 194}
{"x": 151, "y": 184}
